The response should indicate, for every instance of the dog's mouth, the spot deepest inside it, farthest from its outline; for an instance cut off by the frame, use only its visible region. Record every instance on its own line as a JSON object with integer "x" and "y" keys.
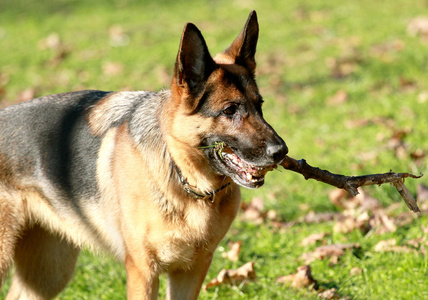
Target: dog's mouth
{"x": 241, "y": 171}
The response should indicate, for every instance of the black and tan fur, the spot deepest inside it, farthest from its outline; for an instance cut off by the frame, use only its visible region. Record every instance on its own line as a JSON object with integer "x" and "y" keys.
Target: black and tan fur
{"x": 150, "y": 177}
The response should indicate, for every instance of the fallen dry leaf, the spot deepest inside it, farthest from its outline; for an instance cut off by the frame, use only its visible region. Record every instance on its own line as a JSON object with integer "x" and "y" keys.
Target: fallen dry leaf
{"x": 407, "y": 84}
{"x": 417, "y": 242}
{"x": 355, "y": 271}
{"x": 272, "y": 215}
{"x": 330, "y": 294}
{"x": 163, "y": 75}
{"x": 350, "y": 223}
{"x": 329, "y": 251}
{"x": 52, "y": 41}
{"x": 382, "y": 223}
{"x": 340, "y": 97}
{"x": 379, "y": 120}
{"x": 118, "y": 38}
{"x": 281, "y": 227}
{"x": 418, "y": 27}
{"x": 243, "y": 274}
{"x": 382, "y": 51}
{"x": 418, "y": 156}
{"x": 253, "y": 211}
{"x": 422, "y": 192}
{"x": 405, "y": 218}
{"x": 337, "y": 197}
{"x": 26, "y": 94}
{"x": 313, "y": 217}
{"x": 397, "y": 144}
{"x": 304, "y": 207}
{"x": 343, "y": 66}
{"x": 340, "y": 198}
{"x": 391, "y": 246}
{"x": 233, "y": 253}
{"x": 385, "y": 244}
{"x": 301, "y": 279}
{"x": 314, "y": 238}
{"x": 112, "y": 68}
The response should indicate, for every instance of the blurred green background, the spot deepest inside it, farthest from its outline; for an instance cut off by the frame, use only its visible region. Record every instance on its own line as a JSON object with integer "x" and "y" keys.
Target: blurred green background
{"x": 344, "y": 84}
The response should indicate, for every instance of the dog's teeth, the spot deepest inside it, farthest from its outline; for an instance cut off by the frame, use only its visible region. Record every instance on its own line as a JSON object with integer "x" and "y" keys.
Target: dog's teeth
{"x": 249, "y": 176}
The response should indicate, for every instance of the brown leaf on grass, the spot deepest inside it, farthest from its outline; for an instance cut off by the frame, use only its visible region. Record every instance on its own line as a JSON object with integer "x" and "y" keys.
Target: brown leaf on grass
{"x": 253, "y": 211}
{"x": 304, "y": 207}
{"x": 396, "y": 143}
{"x": 382, "y": 223}
{"x": 118, "y": 37}
{"x": 343, "y": 66}
{"x": 422, "y": 193}
{"x": 405, "y": 218}
{"x": 314, "y": 238}
{"x": 418, "y": 26}
{"x": 341, "y": 199}
{"x": 233, "y": 253}
{"x": 338, "y": 198}
{"x": 330, "y": 294}
{"x": 163, "y": 75}
{"x": 112, "y": 68}
{"x": 340, "y": 97}
{"x": 384, "y": 245}
{"x": 2, "y": 92}
{"x": 281, "y": 227}
{"x": 54, "y": 43}
{"x": 4, "y": 80}
{"x": 272, "y": 215}
{"x": 418, "y": 242}
{"x": 355, "y": 271}
{"x": 316, "y": 218}
{"x": 407, "y": 84}
{"x": 350, "y": 223}
{"x": 362, "y": 122}
{"x": 243, "y": 274}
{"x": 301, "y": 279}
{"x": 418, "y": 156}
{"x": 382, "y": 50}
{"x": 356, "y": 123}
{"x": 330, "y": 251}
{"x": 26, "y": 94}
{"x": 391, "y": 246}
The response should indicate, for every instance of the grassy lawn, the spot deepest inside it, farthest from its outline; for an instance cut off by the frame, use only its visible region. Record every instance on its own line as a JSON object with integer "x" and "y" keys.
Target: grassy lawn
{"x": 345, "y": 84}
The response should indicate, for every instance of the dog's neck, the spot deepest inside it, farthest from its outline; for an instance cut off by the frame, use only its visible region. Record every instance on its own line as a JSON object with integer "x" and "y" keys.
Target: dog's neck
{"x": 191, "y": 191}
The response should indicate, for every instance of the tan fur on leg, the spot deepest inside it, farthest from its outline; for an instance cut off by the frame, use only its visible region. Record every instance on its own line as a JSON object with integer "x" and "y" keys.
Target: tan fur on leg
{"x": 44, "y": 264}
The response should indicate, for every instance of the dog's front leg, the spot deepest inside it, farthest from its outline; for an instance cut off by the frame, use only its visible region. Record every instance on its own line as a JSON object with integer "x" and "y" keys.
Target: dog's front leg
{"x": 186, "y": 284}
{"x": 142, "y": 280}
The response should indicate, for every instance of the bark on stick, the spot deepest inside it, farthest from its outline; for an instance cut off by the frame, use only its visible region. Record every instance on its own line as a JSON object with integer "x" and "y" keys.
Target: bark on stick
{"x": 352, "y": 183}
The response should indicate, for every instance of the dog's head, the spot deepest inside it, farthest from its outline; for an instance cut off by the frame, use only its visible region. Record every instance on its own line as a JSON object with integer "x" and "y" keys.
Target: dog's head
{"x": 223, "y": 107}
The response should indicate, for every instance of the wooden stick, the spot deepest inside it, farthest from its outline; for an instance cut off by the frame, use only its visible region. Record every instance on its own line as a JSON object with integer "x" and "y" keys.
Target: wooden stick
{"x": 352, "y": 183}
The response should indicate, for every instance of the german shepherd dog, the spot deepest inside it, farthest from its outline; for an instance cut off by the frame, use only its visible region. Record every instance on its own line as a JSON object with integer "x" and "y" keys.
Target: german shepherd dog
{"x": 153, "y": 178}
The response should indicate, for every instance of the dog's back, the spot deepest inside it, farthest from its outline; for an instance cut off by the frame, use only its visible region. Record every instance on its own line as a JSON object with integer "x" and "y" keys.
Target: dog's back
{"x": 48, "y": 139}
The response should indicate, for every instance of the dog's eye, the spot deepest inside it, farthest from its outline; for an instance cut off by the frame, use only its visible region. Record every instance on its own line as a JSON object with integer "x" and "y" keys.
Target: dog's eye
{"x": 230, "y": 110}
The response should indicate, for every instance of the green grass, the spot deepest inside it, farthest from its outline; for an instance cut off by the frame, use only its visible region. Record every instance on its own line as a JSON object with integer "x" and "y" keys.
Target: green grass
{"x": 384, "y": 72}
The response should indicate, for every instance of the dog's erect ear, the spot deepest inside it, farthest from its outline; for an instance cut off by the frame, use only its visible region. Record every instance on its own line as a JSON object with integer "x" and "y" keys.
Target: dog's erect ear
{"x": 243, "y": 48}
{"x": 194, "y": 63}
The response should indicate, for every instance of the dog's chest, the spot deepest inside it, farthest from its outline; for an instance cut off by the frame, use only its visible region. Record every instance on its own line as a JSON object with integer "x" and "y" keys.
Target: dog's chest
{"x": 183, "y": 239}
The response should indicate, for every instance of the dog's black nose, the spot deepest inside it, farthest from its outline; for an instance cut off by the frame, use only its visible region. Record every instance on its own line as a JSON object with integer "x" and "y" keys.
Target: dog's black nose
{"x": 277, "y": 152}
